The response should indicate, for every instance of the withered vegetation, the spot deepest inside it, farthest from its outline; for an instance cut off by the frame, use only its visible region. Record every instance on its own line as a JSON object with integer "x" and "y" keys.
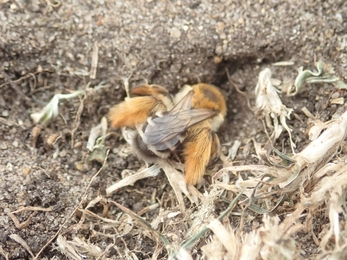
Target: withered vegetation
{"x": 250, "y": 211}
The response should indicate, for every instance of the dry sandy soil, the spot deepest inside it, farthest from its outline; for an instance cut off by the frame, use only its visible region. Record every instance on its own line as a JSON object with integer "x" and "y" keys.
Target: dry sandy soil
{"x": 46, "y": 48}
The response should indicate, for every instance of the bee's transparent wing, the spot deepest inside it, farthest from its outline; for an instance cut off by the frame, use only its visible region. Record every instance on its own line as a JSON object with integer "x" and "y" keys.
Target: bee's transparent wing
{"x": 165, "y": 132}
{"x": 184, "y": 104}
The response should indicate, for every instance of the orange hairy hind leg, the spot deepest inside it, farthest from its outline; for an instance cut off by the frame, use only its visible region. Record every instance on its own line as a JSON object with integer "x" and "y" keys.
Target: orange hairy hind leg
{"x": 134, "y": 111}
{"x": 197, "y": 153}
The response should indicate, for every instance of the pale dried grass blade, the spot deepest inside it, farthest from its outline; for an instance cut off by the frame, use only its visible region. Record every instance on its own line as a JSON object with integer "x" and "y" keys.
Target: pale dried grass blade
{"x": 95, "y": 132}
{"x": 197, "y": 231}
{"x": 328, "y": 178}
{"x": 85, "y": 248}
{"x": 182, "y": 254}
{"x": 130, "y": 180}
{"x": 178, "y": 184}
{"x": 95, "y": 59}
{"x": 214, "y": 250}
{"x": 227, "y": 237}
{"x": 251, "y": 246}
{"x": 327, "y": 144}
{"x": 21, "y": 241}
{"x": 4, "y": 253}
{"x": 162, "y": 216}
{"x": 331, "y": 188}
{"x": 283, "y": 63}
{"x": 276, "y": 241}
{"x": 205, "y": 212}
{"x": 144, "y": 224}
{"x": 338, "y": 101}
{"x": 107, "y": 220}
{"x": 67, "y": 249}
{"x": 94, "y": 201}
{"x": 233, "y": 150}
{"x": 317, "y": 153}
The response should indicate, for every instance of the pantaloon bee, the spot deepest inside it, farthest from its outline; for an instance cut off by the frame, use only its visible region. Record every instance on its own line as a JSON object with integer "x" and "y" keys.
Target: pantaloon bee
{"x": 155, "y": 123}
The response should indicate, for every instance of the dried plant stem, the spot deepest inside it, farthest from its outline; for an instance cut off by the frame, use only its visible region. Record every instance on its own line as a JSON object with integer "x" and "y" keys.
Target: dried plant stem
{"x": 203, "y": 231}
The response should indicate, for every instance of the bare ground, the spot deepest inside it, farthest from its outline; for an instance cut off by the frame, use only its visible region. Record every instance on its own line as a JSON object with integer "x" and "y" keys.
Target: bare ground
{"x": 46, "y": 48}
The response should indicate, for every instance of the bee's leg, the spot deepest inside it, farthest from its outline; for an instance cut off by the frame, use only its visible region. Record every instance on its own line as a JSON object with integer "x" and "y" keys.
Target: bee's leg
{"x": 215, "y": 147}
{"x": 149, "y": 90}
{"x": 159, "y": 92}
{"x": 197, "y": 154}
{"x": 133, "y": 111}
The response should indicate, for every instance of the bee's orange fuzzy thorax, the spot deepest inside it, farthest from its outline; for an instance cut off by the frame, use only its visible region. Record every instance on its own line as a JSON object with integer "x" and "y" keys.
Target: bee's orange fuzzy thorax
{"x": 210, "y": 97}
{"x": 132, "y": 111}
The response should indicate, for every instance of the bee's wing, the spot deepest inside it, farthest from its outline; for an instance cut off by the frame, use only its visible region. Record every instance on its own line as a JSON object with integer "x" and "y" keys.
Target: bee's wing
{"x": 165, "y": 132}
{"x": 184, "y": 104}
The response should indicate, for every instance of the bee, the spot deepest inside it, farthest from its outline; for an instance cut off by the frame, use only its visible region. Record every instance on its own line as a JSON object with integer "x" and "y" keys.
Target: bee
{"x": 149, "y": 100}
{"x": 155, "y": 124}
{"x": 202, "y": 145}
{"x": 132, "y": 114}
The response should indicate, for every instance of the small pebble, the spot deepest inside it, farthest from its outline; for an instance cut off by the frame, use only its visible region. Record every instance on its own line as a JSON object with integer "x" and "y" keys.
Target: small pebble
{"x": 137, "y": 206}
{"x": 79, "y": 166}
{"x": 78, "y": 144}
{"x": 329, "y": 33}
{"x": 3, "y": 146}
{"x": 14, "y": 7}
{"x": 175, "y": 33}
{"x": 62, "y": 153}
{"x": 255, "y": 223}
{"x": 339, "y": 17}
{"x": 5, "y": 113}
{"x": 26, "y": 170}
{"x": 335, "y": 95}
{"x": 9, "y": 167}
